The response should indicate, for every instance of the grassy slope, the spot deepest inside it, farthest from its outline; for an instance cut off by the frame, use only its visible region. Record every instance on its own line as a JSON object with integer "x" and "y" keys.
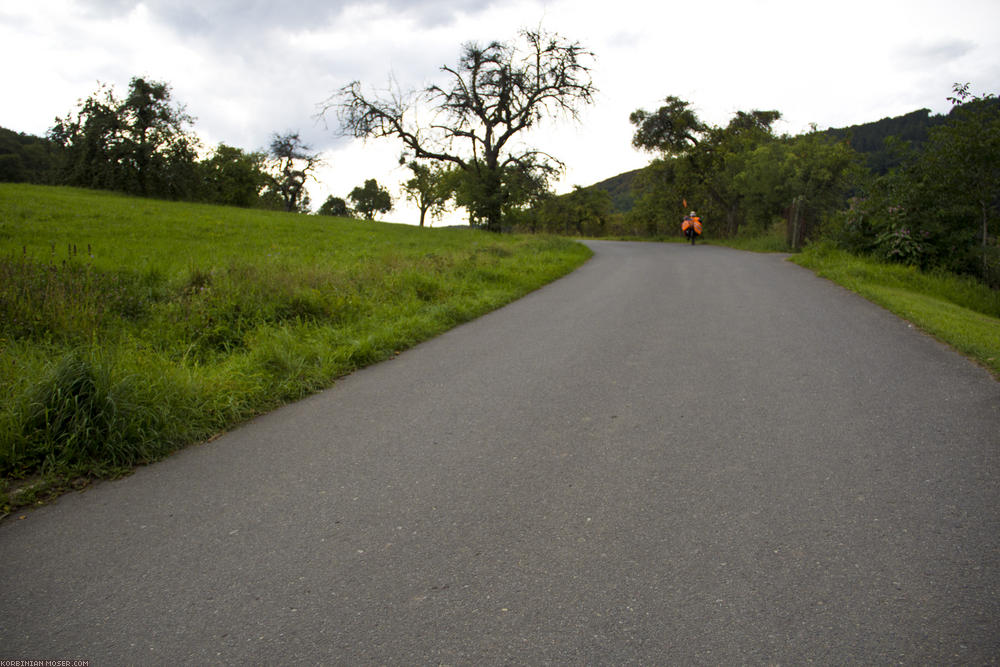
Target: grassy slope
{"x": 130, "y": 327}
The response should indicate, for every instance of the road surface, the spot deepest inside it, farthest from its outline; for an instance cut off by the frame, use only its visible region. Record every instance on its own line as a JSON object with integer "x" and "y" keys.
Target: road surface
{"x": 674, "y": 455}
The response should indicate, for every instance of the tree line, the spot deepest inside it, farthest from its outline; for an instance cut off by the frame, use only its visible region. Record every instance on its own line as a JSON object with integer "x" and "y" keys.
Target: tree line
{"x": 143, "y": 144}
{"x": 470, "y": 157}
{"x": 930, "y": 198}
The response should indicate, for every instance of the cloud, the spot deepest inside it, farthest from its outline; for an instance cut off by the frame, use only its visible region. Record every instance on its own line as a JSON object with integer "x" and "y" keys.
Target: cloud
{"x": 199, "y": 17}
{"x": 920, "y": 55}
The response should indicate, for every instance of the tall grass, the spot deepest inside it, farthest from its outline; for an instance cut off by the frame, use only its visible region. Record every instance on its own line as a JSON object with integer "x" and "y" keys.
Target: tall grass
{"x": 771, "y": 240}
{"x": 130, "y": 327}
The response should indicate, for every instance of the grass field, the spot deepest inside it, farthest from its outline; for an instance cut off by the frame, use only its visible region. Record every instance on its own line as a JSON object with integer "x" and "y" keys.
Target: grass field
{"x": 956, "y": 310}
{"x": 131, "y": 327}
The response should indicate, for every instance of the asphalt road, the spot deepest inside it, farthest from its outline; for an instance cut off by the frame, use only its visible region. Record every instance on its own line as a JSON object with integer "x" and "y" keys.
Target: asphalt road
{"x": 675, "y": 455}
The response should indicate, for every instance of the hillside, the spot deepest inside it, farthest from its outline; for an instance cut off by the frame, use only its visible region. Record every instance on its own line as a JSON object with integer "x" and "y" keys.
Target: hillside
{"x": 869, "y": 139}
{"x": 620, "y": 189}
{"x": 25, "y": 158}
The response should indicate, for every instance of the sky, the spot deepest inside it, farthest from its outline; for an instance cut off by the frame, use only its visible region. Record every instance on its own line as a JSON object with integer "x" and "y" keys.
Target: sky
{"x": 247, "y": 69}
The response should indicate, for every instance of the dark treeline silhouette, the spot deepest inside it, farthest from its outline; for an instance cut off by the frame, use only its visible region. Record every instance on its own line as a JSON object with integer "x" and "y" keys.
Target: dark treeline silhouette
{"x": 142, "y": 145}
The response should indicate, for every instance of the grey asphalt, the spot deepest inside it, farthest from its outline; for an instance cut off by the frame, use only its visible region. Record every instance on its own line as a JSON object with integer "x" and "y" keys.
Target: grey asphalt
{"x": 674, "y": 455}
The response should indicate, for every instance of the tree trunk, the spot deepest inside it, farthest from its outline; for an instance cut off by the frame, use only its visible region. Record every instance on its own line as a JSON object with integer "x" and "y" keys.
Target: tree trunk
{"x": 493, "y": 205}
{"x": 733, "y": 220}
{"x": 793, "y": 235}
{"x": 493, "y": 191}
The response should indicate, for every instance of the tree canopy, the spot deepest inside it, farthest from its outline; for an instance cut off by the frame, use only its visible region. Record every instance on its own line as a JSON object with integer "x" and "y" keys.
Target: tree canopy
{"x": 937, "y": 209}
{"x": 706, "y": 157}
{"x": 428, "y": 189}
{"x": 234, "y": 177}
{"x": 140, "y": 144}
{"x": 27, "y": 158}
{"x": 371, "y": 198}
{"x": 335, "y": 206}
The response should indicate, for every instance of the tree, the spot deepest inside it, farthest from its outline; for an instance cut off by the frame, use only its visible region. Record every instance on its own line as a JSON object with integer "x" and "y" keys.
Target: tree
{"x": 937, "y": 209}
{"x": 962, "y": 159}
{"x": 584, "y": 211}
{"x": 428, "y": 189}
{"x": 234, "y": 177}
{"x": 371, "y": 199}
{"x": 518, "y": 190}
{"x": 335, "y": 206}
{"x": 27, "y": 158}
{"x": 291, "y": 165}
{"x": 803, "y": 179}
{"x": 493, "y": 96}
{"x": 705, "y": 157}
{"x": 138, "y": 145}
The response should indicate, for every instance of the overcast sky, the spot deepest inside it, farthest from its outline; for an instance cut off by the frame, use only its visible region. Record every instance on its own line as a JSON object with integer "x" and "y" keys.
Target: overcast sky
{"x": 248, "y": 68}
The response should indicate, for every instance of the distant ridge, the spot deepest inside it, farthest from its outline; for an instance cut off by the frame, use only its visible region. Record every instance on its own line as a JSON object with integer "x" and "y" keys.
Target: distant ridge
{"x": 620, "y": 189}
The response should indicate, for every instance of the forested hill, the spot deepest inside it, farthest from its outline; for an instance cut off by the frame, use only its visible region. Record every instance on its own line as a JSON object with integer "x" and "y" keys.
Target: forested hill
{"x": 870, "y": 138}
{"x": 25, "y": 158}
{"x": 620, "y": 189}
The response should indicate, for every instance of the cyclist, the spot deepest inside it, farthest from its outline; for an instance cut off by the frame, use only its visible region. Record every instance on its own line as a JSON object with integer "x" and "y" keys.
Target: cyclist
{"x": 691, "y": 226}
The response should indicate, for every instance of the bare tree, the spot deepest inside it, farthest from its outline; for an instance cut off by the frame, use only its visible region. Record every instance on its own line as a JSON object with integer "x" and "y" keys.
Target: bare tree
{"x": 291, "y": 163}
{"x": 494, "y": 94}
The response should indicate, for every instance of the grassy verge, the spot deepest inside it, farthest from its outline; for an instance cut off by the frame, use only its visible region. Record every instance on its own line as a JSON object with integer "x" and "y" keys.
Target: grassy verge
{"x": 131, "y": 327}
{"x": 956, "y": 310}
{"x": 773, "y": 240}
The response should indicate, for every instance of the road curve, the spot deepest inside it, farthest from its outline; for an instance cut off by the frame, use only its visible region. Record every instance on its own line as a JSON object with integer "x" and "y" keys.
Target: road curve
{"x": 674, "y": 455}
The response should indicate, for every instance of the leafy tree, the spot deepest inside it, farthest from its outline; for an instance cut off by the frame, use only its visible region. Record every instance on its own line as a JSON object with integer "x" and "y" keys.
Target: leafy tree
{"x": 582, "y": 212}
{"x": 659, "y": 199}
{"x": 371, "y": 199}
{"x": 138, "y": 145}
{"x": 519, "y": 189}
{"x": 291, "y": 166}
{"x": 234, "y": 177}
{"x": 803, "y": 179}
{"x": 27, "y": 158}
{"x": 938, "y": 208}
{"x": 428, "y": 189}
{"x": 705, "y": 157}
{"x": 335, "y": 206}
{"x": 962, "y": 163}
{"x": 495, "y": 94}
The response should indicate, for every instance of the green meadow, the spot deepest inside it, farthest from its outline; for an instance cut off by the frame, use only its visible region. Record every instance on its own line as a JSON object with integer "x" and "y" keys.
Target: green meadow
{"x": 132, "y": 327}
